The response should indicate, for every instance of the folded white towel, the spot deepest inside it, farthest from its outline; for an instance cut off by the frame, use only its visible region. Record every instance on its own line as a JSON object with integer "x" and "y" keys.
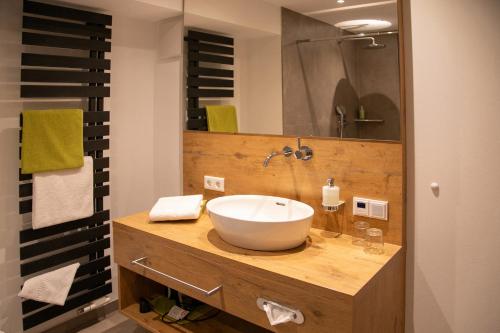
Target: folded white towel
{"x": 63, "y": 195}
{"x": 186, "y": 207}
{"x": 52, "y": 287}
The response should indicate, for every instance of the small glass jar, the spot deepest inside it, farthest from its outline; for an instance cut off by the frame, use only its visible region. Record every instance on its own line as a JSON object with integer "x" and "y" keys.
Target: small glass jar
{"x": 374, "y": 241}
{"x": 359, "y": 237}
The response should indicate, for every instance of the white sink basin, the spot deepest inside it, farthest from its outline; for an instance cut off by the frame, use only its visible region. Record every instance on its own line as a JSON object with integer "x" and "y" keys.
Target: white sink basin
{"x": 260, "y": 222}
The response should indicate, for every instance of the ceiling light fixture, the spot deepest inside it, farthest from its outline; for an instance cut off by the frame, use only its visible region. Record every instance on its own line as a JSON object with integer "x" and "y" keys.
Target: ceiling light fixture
{"x": 340, "y": 1}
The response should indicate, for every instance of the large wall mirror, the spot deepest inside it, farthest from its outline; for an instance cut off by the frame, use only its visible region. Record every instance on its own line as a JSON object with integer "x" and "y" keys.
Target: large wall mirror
{"x": 323, "y": 68}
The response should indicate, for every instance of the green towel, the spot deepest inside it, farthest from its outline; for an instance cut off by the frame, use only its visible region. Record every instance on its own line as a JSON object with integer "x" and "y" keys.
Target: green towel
{"x": 222, "y": 118}
{"x": 52, "y": 140}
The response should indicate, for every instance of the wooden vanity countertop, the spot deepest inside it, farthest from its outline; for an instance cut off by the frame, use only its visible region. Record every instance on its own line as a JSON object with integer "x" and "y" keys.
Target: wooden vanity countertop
{"x": 324, "y": 261}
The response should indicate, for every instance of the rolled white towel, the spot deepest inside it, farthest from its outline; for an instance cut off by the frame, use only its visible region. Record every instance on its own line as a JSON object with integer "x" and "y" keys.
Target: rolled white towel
{"x": 52, "y": 287}
{"x": 186, "y": 207}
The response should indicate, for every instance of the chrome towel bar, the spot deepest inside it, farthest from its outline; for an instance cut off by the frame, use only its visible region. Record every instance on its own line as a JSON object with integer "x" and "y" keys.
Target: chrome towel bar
{"x": 187, "y": 284}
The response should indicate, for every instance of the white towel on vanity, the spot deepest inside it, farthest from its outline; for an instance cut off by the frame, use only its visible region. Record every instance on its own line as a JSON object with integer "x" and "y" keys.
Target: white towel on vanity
{"x": 63, "y": 195}
{"x": 52, "y": 287}
{"x": 186, "y": 207}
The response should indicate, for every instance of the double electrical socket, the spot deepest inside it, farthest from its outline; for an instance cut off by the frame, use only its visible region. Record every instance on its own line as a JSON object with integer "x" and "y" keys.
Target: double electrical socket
{"x": 376, "y": 209}
{"x": 213, "y": 183}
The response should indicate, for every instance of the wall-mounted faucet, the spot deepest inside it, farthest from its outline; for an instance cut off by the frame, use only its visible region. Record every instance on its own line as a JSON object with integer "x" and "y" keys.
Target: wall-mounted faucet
{"x": 286, "y": 151}
{"x": 303, "y": 153}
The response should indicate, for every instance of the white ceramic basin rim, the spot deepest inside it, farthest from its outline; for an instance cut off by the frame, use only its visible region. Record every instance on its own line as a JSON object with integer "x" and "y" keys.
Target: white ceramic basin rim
{"x": 260, "y": 222}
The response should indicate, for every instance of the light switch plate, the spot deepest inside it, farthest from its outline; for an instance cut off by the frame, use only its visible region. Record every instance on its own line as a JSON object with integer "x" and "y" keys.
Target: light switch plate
{"x": 213, "y": 183}
{"x": 376, "y": 209}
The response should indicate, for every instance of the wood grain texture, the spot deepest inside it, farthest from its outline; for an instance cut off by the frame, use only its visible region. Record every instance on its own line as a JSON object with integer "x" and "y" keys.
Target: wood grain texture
{"x": 360, "y": 168}
{"x": 133, "y": 286}
{"x": 322, "y": 278}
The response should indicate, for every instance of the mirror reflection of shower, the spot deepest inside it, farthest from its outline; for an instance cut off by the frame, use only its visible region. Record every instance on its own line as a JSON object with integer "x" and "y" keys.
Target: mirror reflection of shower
{"x": 341, "y": 121}
{"x": 355, "y": 37}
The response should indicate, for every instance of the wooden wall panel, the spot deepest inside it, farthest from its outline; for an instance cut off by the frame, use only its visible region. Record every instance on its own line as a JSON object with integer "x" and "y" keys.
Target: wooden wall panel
{"x": 366, "y": 169}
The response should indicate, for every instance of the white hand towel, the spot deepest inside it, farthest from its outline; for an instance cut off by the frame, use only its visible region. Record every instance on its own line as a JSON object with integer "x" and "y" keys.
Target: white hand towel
{"x": 186, "y": 207}
{"x": 52, "y": 287}
{"x": 63, "y": 195}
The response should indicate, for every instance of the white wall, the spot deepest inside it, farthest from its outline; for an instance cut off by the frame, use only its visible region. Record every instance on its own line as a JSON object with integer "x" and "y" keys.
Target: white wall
{"x": 454, "y": 239}
{"x": 258, "y": 76}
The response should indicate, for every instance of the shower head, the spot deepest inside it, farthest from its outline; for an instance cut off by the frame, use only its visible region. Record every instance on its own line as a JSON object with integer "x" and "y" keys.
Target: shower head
{"x": 374, "y": 45}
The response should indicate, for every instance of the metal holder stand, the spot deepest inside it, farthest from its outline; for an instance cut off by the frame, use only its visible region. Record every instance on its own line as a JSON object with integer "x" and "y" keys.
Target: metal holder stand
{"x": 335, "y": 208}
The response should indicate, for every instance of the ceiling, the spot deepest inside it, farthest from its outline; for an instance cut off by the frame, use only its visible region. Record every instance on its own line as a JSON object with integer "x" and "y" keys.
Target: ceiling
{"x": 151, "y": 10}
{"x": 331, "y": 12}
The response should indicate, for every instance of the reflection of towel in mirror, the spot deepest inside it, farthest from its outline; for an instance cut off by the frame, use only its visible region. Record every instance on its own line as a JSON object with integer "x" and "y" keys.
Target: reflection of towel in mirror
{"x": 64, "y": 195}
{"x": 52, "y": 287}
{"x": 222, "y": 118}
{"x": 186, "y": 207}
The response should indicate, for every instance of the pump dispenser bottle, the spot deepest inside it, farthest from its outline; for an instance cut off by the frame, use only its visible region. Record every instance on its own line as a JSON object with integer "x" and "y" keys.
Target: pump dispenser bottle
{"x": 331, "y": 194}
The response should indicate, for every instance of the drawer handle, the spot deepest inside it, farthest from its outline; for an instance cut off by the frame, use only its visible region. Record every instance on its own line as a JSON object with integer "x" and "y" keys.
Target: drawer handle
{"x": 203, "y": 291}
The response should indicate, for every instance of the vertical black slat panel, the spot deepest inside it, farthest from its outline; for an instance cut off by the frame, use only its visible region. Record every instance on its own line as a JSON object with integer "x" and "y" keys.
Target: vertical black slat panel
{"x": 94, "y": 145}
{"x": 29, "y": 235}
{"x": 73, "y": 303}
{"x": 33, "y": 7}
{"x": 96, "y": 117}
{"x": 210, "y": 92}
{"x": 205, "y": 57}
{"x": 60, "y": 258}
{"x": 93, "y": 26}
{"x": 197, "y": 113}
{"x": 74, "y": 238}
{"x": 90, "y": 282}
{"x": 40, "y": 75}
{"x": 197, "y": 124}
{"x": 30, "y": 38}
{"x": 101, "y": 163}
{"x": 206, "y": 37}
{"x": 29, "y": 91}
{"x": 96, "y": 131}
{"x": 42, "y": 24}
{"x": 92, "y": 266}
{"x": 210, "y": 48}
{"x": 204, "y": 82}
{"x": 44, "y": 60}
{"x": 203, "y": 71}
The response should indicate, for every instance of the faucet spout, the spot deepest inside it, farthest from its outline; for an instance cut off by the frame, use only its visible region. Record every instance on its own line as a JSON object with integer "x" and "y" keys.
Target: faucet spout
{"x": 286, "y": 151}
{"x": 268, "y": 158}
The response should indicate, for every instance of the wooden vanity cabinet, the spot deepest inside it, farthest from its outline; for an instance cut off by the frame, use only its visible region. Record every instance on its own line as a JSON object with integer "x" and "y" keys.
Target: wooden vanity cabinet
{"x": 336, "y": 286}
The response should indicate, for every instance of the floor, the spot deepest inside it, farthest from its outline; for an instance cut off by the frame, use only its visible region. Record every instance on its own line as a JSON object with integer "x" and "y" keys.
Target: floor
{"x": 114, "y": 323}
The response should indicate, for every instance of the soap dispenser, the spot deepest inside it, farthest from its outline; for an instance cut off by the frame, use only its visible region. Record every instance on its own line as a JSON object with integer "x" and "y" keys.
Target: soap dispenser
{"x": 331, "y": 194}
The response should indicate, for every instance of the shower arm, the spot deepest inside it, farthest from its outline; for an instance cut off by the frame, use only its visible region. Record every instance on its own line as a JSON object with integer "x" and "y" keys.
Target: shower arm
{"x": 349, "y": 37}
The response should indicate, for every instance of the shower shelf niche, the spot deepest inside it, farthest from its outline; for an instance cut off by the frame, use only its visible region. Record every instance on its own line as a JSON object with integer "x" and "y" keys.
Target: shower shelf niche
{"x": 365, "y": 121}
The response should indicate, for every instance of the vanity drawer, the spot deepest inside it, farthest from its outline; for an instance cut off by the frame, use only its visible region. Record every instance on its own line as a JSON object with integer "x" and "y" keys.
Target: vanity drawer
{"x": 323, "y": 312}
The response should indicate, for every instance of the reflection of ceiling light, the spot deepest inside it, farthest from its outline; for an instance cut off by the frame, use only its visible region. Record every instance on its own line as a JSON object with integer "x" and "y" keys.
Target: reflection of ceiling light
{"x": 363, "y": 25}
{"x": 340, "y": 1}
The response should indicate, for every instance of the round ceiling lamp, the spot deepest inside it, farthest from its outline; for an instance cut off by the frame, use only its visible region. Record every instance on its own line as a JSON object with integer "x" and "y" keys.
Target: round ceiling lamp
{"x": 357, "y": 26}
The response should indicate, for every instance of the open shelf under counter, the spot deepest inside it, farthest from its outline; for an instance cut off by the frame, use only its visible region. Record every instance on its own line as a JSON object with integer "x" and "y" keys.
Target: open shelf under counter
{"x": 336, "y": 285}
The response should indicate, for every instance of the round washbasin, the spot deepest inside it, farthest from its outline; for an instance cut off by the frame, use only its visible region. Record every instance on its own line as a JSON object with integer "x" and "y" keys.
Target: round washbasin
{"x": 260, "y": 222}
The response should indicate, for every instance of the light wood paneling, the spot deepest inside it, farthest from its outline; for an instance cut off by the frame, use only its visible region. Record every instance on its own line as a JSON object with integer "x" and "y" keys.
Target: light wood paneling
{"x": 324, "y": 278}
{"x": 366, "y": 169}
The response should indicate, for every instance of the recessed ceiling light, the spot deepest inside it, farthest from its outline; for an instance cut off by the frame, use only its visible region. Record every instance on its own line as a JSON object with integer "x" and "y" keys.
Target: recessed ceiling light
{"x": 363, "y": 25}
{"x": 340, "y": 1}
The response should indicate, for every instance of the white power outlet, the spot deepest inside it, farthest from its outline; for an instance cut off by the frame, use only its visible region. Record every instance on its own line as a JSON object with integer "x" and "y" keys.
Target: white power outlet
{"x": 214, "y": 183}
